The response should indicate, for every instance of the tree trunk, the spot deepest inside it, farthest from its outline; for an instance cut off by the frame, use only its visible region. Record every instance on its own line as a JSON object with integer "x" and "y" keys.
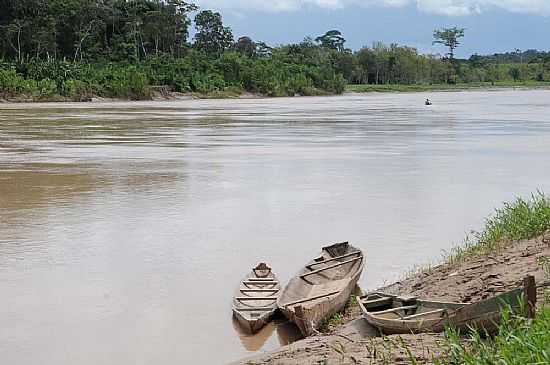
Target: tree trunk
{"x": 19, "y": 44}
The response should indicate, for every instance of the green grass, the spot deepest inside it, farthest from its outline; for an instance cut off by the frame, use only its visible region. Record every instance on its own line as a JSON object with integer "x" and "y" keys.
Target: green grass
{"x": 442, "y": 87}
{"x": 519, "y": 341}
{"x": 518, "y": 220}
{"x": 338, "y": 318}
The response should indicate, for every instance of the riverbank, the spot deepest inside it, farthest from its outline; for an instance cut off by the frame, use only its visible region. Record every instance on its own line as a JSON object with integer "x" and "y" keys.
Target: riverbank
{"x": 156, "y": 94}
{"x": 492, "y": 265}
{"x": 446, "y": 87}
{"x": 165, "y": 93}
{"x": 469, "y": 281}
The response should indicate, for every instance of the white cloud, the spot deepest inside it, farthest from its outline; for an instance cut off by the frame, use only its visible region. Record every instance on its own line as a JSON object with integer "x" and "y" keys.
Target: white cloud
{"x": 468, "y": 7}
{"x": 443, "y": 7}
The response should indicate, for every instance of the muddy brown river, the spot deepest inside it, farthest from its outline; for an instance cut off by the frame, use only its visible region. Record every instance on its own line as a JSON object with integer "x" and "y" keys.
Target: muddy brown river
{"x": 126, "y": 227}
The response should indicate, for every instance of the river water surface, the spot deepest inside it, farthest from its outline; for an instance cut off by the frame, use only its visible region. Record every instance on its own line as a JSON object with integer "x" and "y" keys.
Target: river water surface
{"x": 126, "y": 227}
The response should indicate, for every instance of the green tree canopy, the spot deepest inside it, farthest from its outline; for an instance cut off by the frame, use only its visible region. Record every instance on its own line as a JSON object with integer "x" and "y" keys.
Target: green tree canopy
{"x": 246, "y": 46}
{"x": 449, "y": 37}
{"x": 212, "y": 37}
{"x": 332, "y": 39}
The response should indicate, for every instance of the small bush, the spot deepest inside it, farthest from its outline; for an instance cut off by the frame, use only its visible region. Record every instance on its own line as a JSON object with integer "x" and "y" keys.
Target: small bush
{"x": 12, "y": 84}
{"x": 127, "y": 84}
{"x": 45, "y": 88}
{"x": 77, "y": 90}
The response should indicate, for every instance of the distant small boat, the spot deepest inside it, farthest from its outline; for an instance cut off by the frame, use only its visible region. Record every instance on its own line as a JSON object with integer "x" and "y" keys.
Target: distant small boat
{"x": 393, "y": 314}
{"x": 322, "y": 287}
{"x": 255, "y": 301}
{"x": 428, "y": 102}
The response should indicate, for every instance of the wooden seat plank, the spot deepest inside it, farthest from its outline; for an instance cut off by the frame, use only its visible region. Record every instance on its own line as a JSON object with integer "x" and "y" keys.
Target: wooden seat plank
{"x": 414, "y": 316}
{"x": 331, "y": 266}
{"x": 253, "y": 309}
{"x": 311, "y": 298}
{"x": 334, "y": 259}
{"x": 255, "y": 298}
{"x": 395, "y": 309}
{"x": 377, "y": 301}
{"x": 259, "y": 290}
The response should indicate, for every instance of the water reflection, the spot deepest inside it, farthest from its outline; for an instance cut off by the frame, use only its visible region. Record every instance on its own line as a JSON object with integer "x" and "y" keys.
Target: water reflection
{"x": 31, "y": 186}
{"x": 287, "y": 333}
{"x": 256, "y": 341}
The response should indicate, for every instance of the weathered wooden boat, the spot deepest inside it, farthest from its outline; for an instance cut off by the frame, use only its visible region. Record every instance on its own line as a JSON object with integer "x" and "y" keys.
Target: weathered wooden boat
{"x": 322, "y": 287}
{"x": 255, "y": 301}
{"x": 393, "y": 314}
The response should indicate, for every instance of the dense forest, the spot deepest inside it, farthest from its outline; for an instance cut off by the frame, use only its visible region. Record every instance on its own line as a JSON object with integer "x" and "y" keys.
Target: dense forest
{"x": 76, "y": 49}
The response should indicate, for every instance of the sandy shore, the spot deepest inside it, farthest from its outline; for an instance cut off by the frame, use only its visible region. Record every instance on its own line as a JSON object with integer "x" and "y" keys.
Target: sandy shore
{"x": 476, "y": 279}
{"x": 177, "y": 96}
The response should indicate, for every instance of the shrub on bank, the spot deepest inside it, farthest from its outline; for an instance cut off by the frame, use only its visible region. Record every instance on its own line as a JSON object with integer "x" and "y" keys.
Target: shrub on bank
{"x": 194, "y": 73}
{"x": 77, "y": 90}
{"x": 14, "y": 85}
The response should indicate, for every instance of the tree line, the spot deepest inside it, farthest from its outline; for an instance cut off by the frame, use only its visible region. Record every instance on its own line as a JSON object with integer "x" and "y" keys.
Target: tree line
{"x": 124, "y": 48}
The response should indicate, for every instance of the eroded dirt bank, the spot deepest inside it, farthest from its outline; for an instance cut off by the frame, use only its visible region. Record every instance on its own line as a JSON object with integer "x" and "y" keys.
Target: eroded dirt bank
{"x": 468, "y": 281}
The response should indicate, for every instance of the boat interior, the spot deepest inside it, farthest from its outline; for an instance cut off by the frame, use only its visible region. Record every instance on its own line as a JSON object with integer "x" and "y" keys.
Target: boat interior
{"x": 405, "y": 307}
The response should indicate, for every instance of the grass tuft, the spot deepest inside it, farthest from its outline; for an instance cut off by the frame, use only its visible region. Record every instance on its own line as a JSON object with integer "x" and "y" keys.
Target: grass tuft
{"x": 519, "y": 341}
{"x": 518, "y": 220}
{"x": 339, "y": 318}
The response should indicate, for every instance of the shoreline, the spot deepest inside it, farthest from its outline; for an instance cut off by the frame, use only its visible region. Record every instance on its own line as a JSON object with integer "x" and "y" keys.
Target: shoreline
{"x": 475, "y": 86}
{"x": 350, "y": 90}
{"x": 471, "y": 280}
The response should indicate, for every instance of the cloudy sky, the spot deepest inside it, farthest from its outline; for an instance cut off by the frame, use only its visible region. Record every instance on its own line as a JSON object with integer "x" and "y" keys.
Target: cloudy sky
{"x": 492, "y": 25}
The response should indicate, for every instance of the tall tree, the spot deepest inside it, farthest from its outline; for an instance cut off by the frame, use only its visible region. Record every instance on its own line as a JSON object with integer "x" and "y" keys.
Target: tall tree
{"x": 450, "y": 38}
{"x": 332, "y": 39}
{"x": 246, "y": 46}
{"x": 212, "y": 37}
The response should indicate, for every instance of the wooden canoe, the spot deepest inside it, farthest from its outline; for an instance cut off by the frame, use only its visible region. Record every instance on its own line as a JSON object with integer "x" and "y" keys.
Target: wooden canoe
{"x": 322, "y": 287}
{"x": 255, "y": 301}
{"x": 404, "y": 314}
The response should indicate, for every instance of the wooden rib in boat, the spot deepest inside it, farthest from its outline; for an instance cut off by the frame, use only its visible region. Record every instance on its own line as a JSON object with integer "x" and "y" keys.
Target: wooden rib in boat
{"x": 322, "y": 287}
{"x": 255, "y": 301}
{"x": 393, "y": 314}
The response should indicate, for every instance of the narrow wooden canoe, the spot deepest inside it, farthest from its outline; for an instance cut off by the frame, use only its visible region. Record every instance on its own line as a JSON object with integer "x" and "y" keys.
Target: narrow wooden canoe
{"x": 322, "y": 287}
{"x": 401, "y": 314}
{"x": 255, "y": 301}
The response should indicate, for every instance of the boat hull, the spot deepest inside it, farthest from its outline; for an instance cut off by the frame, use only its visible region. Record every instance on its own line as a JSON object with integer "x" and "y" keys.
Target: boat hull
{"x": 484, "y": 315}
{"x": 322, "y": 288}
{"x": 314, "y": 315}
{"x": 252, "y": 326}
{"x": 255, "y": 300}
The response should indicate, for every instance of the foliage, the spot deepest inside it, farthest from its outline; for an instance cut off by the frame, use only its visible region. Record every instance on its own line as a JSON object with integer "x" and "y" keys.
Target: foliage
{"x": 521, "y": 219}
{"x": 212, "y": 37}
{"x": 246, "y": 46}
{"x": 77, "y": 90}
{"x": 339, "y": 318}
{"x": 92, "y": 29}
{"x": 515, "y": 73}
{"x": 519, "y": 341}
{"x": 544, "y": 261}
{"x": 449, "y": 37}
{"x": 332, "y": 39}
{"x": 78, "y": 49}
